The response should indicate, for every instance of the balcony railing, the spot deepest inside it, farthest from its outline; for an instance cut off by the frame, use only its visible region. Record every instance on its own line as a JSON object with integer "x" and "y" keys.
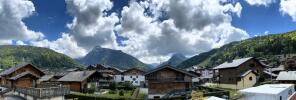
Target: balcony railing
{"x": 44, "y": 92}
{"x": 168, "y": 79}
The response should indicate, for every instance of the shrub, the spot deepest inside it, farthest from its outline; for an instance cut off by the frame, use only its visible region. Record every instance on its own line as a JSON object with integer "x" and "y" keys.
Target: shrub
{"x": 121, "y": 93}
{"x": 112, "y": 86}
{"x": 112, "y": 92}
{"x": 128, "y": 86}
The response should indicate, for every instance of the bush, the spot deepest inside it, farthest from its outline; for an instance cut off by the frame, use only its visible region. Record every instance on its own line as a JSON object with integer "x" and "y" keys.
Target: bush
{"x": 112, "y": 86}
{"x": 128, "y": 86}
{"x": 121, "y": 93}
{"x": 112, "y": 92}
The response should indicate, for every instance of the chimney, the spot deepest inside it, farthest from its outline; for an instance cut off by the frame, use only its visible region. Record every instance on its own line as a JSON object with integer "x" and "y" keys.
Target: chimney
{"x": 229, "y": 61}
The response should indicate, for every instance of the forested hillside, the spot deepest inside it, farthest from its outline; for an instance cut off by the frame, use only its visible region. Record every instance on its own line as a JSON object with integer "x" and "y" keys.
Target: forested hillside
{"x": 263, "y": 46}
{"x": 40, "y": 57}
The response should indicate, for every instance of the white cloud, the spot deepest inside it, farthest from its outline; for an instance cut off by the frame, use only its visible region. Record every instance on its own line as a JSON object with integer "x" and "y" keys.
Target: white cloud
{"x": 154, "y": 29}
{"x": 12, "y": 12}
{"x": 91, "y": 26}
{"x": 191, "y": 27}
{"x": 265, "y": 3}
{"x": 5, "y": 42}
{"x": 288, "y": 7}
{"x": 66, "y": 45}
{"x": 20, "y": 43}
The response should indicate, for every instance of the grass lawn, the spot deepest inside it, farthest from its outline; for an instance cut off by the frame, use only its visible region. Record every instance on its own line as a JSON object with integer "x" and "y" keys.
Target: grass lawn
{"x": 107, "y": 96}
{"x": 127, "y": 94}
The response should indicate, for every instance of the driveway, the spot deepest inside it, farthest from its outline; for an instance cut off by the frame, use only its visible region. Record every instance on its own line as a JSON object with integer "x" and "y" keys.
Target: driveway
{"x": 11, "y": 97}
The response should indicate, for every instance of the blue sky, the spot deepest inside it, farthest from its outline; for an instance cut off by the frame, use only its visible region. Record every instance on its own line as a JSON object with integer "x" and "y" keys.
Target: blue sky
{"x": 51, "y": 18}
{"x": 150, "y": 30}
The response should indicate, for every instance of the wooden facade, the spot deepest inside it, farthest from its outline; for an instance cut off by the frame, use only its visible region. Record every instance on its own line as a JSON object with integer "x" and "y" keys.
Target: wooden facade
{"x": 231, "y": 75}
{"x": 80, "y": 81}
{"x": 166, "y": 79}
{"x": 22, "y": 75}
{"x": 133, "y": 71}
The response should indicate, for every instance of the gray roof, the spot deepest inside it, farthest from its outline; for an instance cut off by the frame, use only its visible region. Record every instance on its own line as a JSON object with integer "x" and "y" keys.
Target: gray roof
{"x": 45, "y": 78}
{"x": 22, "y": 75}
{"x": 287, "y": 76}
{"x": 77, "y": 76}
{"x": 234, "y": 63}
{"x": 270, "y": 73}
{"x": 245, "y": 73}
{"x": 12, "y": 69}
{"x": 168, "y": 66}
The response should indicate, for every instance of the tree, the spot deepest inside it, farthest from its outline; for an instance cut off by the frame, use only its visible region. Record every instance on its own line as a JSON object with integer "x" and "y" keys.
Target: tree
{"x": 112, "y": 86}
{"x": 121, "y": 93}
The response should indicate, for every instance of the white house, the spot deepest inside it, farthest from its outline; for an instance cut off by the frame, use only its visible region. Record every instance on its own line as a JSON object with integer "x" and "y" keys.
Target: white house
{"x": 133, "y": 75}
{"x": 268, "y": 92}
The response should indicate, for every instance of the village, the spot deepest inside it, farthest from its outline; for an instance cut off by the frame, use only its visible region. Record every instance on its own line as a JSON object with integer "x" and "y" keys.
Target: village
{"x": 239, "y": 79}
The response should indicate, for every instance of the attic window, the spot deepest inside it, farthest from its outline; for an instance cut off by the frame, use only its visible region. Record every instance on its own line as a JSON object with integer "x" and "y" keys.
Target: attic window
{"x": 250, "y": 78}
{"x": 252, "y": 65}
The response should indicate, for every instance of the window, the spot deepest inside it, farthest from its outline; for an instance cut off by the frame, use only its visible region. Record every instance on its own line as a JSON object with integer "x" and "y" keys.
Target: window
{"x": 136, "y": 81}
{"x": 131, "y": 77}
{"x": 250, "y": 78}
{"x": 252, "y": 65}
{"x": 137, "y": 76}
{"x": 122, "y": 78}
{"x": 290, "y": 92}
{"x": 156, "y": 97}
{"x": 280, "y": 97}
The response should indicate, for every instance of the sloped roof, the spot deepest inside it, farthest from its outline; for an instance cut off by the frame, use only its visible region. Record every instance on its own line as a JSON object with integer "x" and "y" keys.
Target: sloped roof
{"x": 77, "y": 76}
{"x": 22, "y": 75}
{"x": 267, "y": 89}
{"x": 246, "y": 73}
{"x": 170, "y": 67}
{"x": 12, "y": 69}
{"x": 287, "y": 75}
{"x": 234, "y": 63}
{"x": 270, "y": 73}
{"x": 45, "y": 78}
{"x": 133, "y": 69}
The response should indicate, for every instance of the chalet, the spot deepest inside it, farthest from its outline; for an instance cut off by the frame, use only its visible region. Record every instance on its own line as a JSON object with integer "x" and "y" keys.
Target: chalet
{"x": 287, "y": 77}
{"x": 134, "y": 75}
{"x": 23, "y": 75}
{"x": 108, "y": 73}
{"x": 239, "y": 73}
{"x": 80, "y": 80}
{"x": 165, "y": 79}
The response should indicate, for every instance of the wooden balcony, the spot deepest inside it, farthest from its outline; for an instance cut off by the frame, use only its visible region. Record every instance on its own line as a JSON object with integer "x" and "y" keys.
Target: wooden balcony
{"x": 44, "y": 92}
{"x": 167, "y": 79}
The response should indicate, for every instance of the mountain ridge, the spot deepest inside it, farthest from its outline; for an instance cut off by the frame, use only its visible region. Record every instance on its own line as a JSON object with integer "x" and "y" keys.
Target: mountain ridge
{"x": 262, "y": 46}
{"x": 116, "y": 58}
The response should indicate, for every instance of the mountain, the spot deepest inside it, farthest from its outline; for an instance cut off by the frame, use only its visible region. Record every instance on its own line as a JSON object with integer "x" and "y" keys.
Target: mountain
{"x": 40, "y": 57}
{"x": 175, "y": 60}
{"x": 262, "y": 46}
{"x": 111, "y": 57}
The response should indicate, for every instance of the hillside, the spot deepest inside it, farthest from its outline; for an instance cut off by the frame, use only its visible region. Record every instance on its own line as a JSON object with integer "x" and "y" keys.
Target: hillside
{"x": 41, "y": 57}
{"x": 175, "y": 60}
{"x": 264, "y": 46}
{"x": 111, "y": 57}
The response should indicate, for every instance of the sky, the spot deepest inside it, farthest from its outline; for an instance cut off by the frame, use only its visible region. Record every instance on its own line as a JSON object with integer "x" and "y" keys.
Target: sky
{"x": 150, "y": 30}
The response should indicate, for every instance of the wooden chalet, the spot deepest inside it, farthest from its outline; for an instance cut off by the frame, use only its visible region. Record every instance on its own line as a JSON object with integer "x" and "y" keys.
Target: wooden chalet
{"x": 80, "y": 80}
{"x": 23, "y": 75}
{"x": 108, "y": 73}
{"x": 239, "y": 73}
{"x": 165, "y": 79}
